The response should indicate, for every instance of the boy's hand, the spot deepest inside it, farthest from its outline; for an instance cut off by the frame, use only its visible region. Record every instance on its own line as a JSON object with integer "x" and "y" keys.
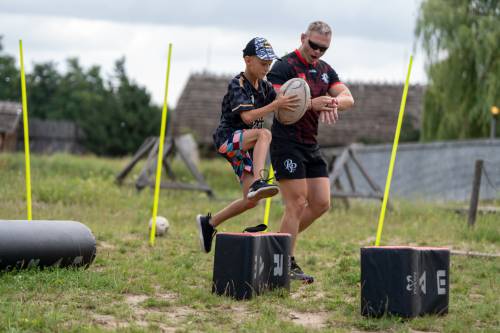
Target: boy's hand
{"x": 287, "y": 103}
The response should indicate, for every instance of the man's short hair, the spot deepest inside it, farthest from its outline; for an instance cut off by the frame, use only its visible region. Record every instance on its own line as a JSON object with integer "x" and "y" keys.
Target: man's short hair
{"x": 320, "y": 27}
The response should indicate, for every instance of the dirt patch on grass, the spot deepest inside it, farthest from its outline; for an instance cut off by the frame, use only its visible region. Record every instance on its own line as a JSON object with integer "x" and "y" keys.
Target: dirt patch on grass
{"x": 239, "y": 312}
{"x": 108, "y": 321}
{"x": 166, "y": 296}
{"x": 166, "y": 317}
{"x": 176, "y": 313}
{"x": 134, "y": 300}
{"x": 304, "y": 293}
{"x": 310, "y": 320}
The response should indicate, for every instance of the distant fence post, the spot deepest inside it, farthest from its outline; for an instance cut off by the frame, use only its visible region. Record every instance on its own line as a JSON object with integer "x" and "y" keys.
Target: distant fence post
{"x": 474, "y": 198}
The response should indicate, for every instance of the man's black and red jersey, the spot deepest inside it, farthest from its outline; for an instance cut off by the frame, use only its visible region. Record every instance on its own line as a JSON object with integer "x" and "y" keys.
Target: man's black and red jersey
{"x": 320, "y": 76}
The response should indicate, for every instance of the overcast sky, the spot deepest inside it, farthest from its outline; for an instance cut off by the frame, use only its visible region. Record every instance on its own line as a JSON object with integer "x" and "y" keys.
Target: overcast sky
{"x": 372, "y": 39}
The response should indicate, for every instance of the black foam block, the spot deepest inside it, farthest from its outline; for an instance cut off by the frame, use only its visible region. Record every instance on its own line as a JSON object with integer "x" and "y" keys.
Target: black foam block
{"x": 404, "y": 281}
{"x": 247, "y": 264}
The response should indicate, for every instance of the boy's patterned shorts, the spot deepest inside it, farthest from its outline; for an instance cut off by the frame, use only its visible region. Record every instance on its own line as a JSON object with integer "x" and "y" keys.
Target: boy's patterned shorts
{"x": 240, "y": 159}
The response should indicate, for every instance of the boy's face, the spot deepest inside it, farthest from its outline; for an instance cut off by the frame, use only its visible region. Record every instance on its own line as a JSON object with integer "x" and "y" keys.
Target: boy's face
{"x": 257, "y": 67}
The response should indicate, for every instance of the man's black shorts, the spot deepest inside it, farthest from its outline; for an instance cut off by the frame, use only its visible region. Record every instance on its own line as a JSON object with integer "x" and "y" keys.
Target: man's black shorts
{"x": 297, "y": 161}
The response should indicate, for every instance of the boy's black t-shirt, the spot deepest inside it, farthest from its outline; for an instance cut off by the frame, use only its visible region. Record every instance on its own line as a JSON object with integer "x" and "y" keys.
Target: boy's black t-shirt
{"x": 241, "y": 96}
{"x": 320, "y": 78}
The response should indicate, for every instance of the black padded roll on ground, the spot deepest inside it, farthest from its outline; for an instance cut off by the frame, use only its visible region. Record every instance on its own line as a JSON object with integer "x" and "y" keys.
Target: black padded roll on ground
{"x": 25, "y": 244}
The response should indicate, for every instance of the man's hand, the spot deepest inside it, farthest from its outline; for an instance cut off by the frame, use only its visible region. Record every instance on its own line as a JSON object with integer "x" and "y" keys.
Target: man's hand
{"x": 330, "y": 115}
{"x": 323, "y": 103}
{"x": 287, "y": 103}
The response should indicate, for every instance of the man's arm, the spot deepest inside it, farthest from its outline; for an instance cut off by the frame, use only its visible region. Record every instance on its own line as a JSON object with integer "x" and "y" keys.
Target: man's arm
{"x": 342, "y": 95}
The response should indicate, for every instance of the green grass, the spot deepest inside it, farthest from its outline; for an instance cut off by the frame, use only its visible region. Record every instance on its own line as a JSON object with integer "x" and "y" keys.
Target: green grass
{"x": 132, "y": 287}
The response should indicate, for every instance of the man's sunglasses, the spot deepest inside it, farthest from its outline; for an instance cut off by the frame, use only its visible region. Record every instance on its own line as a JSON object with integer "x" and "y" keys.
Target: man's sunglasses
{"x": 315, "y": 46}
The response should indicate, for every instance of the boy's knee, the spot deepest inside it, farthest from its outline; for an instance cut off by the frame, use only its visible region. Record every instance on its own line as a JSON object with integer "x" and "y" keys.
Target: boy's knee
{"x": 266, "y": 134}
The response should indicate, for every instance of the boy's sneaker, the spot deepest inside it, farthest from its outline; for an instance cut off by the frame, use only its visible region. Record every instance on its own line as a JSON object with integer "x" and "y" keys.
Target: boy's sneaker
{"x": 260, "y": 190}
{"x": 206, "y": 232}
{"x": 296, "y": 273}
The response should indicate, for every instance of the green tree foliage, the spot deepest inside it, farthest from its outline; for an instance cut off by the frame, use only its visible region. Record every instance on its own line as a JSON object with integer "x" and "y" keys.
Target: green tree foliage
{"x": 125, "y": 117}
{"x": 44, "y": 83}
{"x": 461, "y": 39}
{"x": 9, "y": 77}
{"x": 115, "y": 115}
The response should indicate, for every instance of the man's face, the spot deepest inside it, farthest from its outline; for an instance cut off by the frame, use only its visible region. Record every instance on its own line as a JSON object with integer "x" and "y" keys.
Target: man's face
{"x": 314, "y": 45}
{"x": 259, "y": 68}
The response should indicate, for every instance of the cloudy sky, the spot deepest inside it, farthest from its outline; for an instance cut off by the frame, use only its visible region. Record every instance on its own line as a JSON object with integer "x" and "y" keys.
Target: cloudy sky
{"x": 372, "y": 39}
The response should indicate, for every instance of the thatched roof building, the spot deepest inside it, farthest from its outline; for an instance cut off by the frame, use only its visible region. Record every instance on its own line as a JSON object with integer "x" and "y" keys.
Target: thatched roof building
{"x": 372, "y": 120}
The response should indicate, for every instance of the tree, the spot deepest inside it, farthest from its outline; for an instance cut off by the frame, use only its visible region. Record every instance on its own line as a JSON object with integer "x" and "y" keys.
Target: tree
{"x": 115, "y": 115}
{"x": 10, "y": 84}
{"x": 138, "y": 118}
{"x": 44, "y": 83}
{"x": 461, "y": 41}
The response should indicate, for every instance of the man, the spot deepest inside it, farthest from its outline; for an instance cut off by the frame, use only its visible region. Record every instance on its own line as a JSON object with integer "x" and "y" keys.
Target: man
{"x": 295, "y": 155}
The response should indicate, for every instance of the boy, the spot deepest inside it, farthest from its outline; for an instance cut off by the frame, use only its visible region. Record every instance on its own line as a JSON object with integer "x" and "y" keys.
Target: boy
{"x": 240, "y": 137}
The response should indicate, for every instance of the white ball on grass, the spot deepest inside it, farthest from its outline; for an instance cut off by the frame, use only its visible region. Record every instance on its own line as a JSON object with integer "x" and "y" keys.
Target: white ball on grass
{"x": 162, "y": 225}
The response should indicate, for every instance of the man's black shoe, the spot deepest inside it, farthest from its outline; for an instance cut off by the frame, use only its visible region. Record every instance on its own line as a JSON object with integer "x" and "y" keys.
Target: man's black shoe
{"x": 260, "y": 190}
{"x": 296, "y": 273}
{"x": 206, "y": 232}
{"x": 258, "y": 228}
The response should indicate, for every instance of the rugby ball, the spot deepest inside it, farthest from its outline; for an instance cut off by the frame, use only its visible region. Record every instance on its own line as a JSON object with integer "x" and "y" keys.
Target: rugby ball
{"x": 162, "y": 225}
{"x": 299, "y": 87}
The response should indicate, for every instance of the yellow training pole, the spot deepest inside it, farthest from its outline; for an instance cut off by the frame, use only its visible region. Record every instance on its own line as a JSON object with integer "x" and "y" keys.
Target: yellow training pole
{"x": 268, "y": 200}
{"x": 393, "y": 156}
{"x": 26, "y": 133}
{"x": 160, "y": 151}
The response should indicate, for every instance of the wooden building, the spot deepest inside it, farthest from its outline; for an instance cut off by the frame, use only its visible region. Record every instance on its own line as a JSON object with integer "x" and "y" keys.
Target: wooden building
{"x": 10, "y": 113}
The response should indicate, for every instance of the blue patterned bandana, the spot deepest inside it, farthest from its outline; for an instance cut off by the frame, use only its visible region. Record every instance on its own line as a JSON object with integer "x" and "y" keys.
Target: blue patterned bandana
{"x": 261, "y": 48}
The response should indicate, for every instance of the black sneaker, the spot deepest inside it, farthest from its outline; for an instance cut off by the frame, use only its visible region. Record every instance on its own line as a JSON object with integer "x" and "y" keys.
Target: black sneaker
{"x": 296, "y": 273}
{"x": 257, "y": 228}
{"x": 206, "y": 232}
{"x": 260, "y": 190}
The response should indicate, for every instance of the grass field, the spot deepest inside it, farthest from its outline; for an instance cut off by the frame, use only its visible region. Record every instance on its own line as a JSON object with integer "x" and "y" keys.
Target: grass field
{"x": 132, "y": 287}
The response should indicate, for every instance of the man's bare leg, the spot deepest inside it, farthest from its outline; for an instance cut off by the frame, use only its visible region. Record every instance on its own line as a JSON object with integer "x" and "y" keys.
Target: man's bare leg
{"x": 294, "y": 193}
{"x": 318, "y": 201}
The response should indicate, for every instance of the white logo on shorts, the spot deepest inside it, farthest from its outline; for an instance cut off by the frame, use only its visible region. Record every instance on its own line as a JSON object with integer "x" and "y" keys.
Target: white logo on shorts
{"x": 290, "y": 165}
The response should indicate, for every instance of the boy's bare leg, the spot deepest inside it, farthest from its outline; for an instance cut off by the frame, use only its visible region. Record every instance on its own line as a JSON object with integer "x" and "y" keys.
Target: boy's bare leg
{"x": 259, "y": 140}
{"x": 238, "y": 206}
